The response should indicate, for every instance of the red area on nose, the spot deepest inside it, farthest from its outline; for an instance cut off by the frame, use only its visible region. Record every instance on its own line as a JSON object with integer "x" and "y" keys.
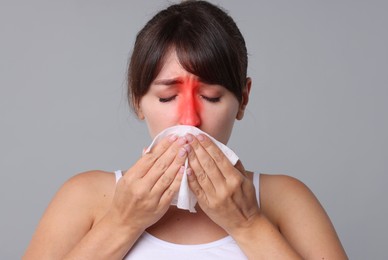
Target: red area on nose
{"x": 189, "y": 106}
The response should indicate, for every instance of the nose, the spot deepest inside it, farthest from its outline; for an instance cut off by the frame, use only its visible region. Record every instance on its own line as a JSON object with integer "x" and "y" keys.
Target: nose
{"x": 189, "y": 113}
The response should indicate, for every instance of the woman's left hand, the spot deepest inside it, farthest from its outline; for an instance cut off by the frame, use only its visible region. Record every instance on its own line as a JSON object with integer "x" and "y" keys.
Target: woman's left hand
{"x": 224, "y": 191}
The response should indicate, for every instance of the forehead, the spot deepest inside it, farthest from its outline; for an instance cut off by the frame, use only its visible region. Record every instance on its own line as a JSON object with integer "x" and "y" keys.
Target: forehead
{"x": 171, "y": 67}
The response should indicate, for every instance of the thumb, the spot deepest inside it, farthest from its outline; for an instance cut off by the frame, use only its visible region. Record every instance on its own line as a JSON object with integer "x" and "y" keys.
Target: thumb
{"x": 239, "y": 166}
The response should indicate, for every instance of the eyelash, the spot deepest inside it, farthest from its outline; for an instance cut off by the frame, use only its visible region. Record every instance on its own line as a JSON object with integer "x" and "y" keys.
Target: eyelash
{"x": 168, "y": 99}
{"x": 212, "y": 100}
{"x": 209, "y": 99}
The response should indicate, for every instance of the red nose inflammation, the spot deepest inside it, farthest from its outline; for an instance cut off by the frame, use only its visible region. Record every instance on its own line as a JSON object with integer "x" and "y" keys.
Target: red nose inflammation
{"x": 189, "y": 106}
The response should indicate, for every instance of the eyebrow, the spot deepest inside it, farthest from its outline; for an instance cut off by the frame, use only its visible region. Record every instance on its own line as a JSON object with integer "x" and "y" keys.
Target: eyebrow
{"x": 174, "y": 82}
{"x": 168, "y": 82}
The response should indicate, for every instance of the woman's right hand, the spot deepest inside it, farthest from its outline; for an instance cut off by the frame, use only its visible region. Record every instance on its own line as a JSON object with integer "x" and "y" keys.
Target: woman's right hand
{"x": 144, "y": 193}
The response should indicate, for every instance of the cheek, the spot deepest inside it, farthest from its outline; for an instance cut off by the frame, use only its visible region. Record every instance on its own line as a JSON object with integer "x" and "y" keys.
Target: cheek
{"x": 224, "y": 112}
{"x": 159, "y": 118}
{"x": 219, "y": 122}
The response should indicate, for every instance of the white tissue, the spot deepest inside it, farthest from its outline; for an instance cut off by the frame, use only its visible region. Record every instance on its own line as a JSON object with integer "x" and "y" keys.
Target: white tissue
{"x": 185, "y": 199}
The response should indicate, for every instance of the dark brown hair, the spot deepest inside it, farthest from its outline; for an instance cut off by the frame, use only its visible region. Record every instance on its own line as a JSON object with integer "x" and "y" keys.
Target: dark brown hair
{"x": 207, "y": 41}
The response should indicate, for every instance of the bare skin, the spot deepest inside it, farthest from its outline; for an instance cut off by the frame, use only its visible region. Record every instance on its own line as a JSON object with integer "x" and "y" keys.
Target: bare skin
{"x": 96, "y": 189}
{"x": 93, "y": 218}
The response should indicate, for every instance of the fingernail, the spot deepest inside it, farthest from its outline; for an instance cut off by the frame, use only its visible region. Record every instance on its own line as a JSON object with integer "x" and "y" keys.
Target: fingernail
{"x": 189, "y": 138}
{"x": 182, "y": 152}
{"x": 201, "y": 138}
{"x": 189, "y": 171}
{"x": 172, "y": 138}
{"x": 182, "y": 169}
{"x": 182, "y": 140}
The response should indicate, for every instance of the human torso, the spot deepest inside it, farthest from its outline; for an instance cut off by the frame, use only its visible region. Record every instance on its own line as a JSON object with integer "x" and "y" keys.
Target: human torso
{"x": 180, "y": 234}
{"x": 184, "y": 235}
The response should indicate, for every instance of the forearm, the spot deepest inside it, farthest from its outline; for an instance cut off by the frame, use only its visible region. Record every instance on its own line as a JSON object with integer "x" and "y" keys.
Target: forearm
{"x": 106, "y": 240}
{"x": 262, "y": 240}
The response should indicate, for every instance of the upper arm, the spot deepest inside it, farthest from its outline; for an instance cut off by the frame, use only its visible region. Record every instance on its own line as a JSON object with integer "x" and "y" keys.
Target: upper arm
{"x": 68, "y": 217}
{"x": 300, "y": 218}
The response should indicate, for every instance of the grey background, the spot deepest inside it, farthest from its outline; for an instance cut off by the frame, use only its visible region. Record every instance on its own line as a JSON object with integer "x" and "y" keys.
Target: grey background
{"x": 318, "y": 109}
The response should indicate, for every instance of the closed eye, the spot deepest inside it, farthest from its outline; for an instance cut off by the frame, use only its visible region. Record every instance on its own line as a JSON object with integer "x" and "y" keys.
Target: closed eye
{"x": 167, "y": 99}
{"x": 212, "y": 99}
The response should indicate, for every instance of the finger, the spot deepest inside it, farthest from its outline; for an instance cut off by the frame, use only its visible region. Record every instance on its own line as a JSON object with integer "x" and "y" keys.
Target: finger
{"x": 246, "y": 190}
{"x": 174, "y": 156}
{"x": 195, "y": 187}
{"x": 239, "y": 166}
{"x": 201, "y": 175}
{"x": 206, "y": 160}
{"x": 162, "y": 180}
{"x": 214, "y": 151}
{"x": 169, "y": 193}
{"x": 160, "y": 156}
{"x": 144, "y": 164}
{"x": 218, "y": 156}
{"x": 158, "y": 149}
{"x": 249, "y": 197}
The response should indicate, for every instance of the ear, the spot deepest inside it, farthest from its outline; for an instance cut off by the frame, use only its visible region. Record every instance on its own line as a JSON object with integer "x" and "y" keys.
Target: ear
{"x": 139, "y": 111}
{"x": 245, "y": 99}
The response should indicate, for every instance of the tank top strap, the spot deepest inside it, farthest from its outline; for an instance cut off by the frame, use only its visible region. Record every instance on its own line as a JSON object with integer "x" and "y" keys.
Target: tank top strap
{"x": 256, "y": 183}
{"x": 118, "y": 175}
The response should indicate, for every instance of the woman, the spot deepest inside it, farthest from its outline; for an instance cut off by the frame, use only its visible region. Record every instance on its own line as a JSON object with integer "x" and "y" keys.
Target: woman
{"x": 188, "y": 67}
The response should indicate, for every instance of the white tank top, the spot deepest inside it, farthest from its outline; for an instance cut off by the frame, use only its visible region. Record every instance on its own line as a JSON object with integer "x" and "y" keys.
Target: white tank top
{"x": 151, "y": 247}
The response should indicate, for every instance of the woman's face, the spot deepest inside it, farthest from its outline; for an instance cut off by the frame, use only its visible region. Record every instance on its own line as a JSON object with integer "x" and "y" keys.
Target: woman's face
{"x": 177, "y": 97}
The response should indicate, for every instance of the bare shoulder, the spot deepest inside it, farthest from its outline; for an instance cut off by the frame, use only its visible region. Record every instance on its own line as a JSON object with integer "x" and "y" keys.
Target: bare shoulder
{"x": 294, "y": 209}
{"x": 94, "y": 176}
{"x": 282, "y": 187}
{"x": 91, "y": 192}
{"x": 282, "y": 197}
{"x": 278, "y": 182}
{"x": 280, "y": 193}
{"x": 91, "y": 182}
{"x": 77, "y": 205}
